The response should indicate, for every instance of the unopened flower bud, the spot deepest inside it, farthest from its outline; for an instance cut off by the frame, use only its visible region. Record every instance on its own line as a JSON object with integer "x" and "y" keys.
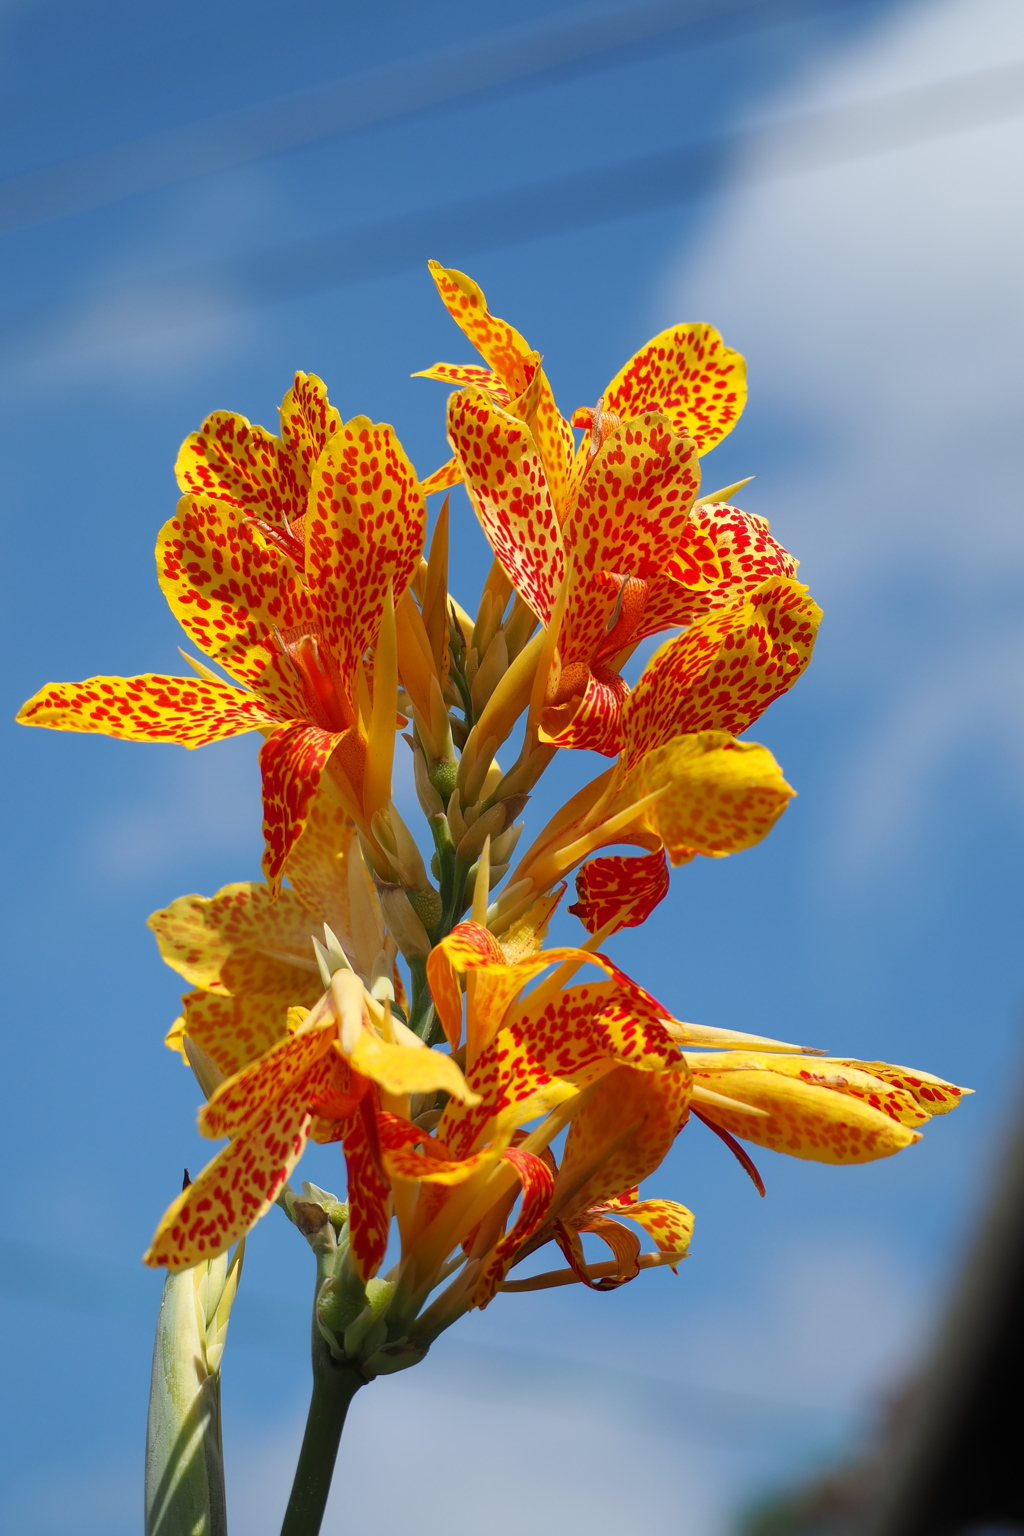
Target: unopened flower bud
{"x": 406, "y": 927}
{"x": 431, "y": 802}
{"x": 485, "y": 826}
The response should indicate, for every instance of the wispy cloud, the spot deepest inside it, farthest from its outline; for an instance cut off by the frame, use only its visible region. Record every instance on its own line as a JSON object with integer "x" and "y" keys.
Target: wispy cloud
{"x": 880, "y": 305}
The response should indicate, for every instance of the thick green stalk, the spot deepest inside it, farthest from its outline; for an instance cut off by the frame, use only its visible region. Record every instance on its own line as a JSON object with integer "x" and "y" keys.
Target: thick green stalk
{"x": 334, "y": 1386}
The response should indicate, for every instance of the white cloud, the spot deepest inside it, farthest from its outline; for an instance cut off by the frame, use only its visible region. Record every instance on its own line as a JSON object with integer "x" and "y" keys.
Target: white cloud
{"x": 880, "y": 305}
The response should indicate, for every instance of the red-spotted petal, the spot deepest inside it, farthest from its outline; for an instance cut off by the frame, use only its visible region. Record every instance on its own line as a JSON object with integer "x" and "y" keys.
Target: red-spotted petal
{"x": 308, "y": 422}
{"x": 238, "y": 1186}
{"x": 229, "y": 459}
{"x": 291, "y": 760}
{"x": 724, "y": 671}
{"x": 505, "y": 478}
{"x": 538, "y": 1184}
{"x": 189, "y": 711}
{"x": 625, "y": 890}
{"x": 499, "y": 344}
{"x": 369, "y": 1200}
{"x": 364, "y": 534}
{"x": 228, "y": 586}
{"x": 689, "y": 374}
{"x": 243, "y": 1098}
{"x": 629, "y": 521}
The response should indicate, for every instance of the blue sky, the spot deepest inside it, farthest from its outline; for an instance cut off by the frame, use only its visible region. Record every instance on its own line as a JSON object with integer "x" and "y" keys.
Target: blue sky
{"x": 876, "y": 296}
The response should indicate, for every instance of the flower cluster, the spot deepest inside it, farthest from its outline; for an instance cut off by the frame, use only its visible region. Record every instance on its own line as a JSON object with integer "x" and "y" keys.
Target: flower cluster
{"x": 490, "y": 1095}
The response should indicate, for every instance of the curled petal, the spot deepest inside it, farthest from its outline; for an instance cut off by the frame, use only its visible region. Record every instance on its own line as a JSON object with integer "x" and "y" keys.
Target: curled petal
{"x": 625, "y": 890}
{"x": 715, "y": 795}
{"x": 538, "y": 1184}
{"x": 291, "y": 760}
{"x": 724, "y": 671}
{"x": 499, "y": 344}
{"x": 666, "y": 1221}
{"x": 624, "y": 1244}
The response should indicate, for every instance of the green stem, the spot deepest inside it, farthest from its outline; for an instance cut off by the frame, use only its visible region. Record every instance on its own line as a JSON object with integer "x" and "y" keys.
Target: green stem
{"x": 334, "y": 1387}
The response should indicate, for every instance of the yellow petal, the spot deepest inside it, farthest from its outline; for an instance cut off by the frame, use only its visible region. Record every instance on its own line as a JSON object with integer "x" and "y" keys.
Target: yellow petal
{"x": 499, "y": 344}
{"x": 717, "y": 795}
{"x": 186, "y": 710}
{"x": 234, "y": 1031}
{"x": 802, "y": 1119}
{"x": 691, "y": 375}
{"x": 241, "y": 941}
{"x": 400, "y": 1069}
{"x": 236, "y": 1188}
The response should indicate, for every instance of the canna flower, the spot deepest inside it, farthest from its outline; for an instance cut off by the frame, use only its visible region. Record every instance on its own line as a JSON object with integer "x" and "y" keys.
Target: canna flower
{"x": 450, "y": 1154}
{"x": 335, "y": 1062}
{"x": 683, "y": 784}
{"x": 607, "y": 541}
{"x": 251, "y": 958}
{"x": 283, "y": 564}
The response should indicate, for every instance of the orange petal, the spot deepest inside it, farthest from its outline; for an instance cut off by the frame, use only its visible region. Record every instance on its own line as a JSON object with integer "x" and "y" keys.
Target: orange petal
{"x": 538, "y": 1183}
{"x": 548, "y": 1046}
{"x": 237, "y": 1187}
{"x": 498, "y": 343}
{"x": 291, "y": 760}
{"x": 505, "y": 479}
{"x": 624, "y": 889}
{"x": 369, "y": 1201}
{"x": 689, "y": 374}
{"x": 620, "y": 1135}
{"x": 364, "y": 534}
{"x": 185, "y": 710}
{"x": 590, "y": 722}
{"x": 629, "y": 520}
{"x": 624, "y": 1244}
{"x": 467, "y": 946}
